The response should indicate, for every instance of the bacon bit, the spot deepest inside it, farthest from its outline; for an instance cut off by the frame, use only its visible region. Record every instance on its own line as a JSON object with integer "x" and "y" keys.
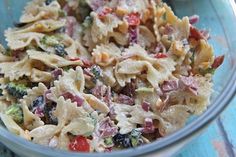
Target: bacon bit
{"x": 160, "y": 55}
{"x": 146, "y": 106}
{"x": 160, "y": 48}
{"x": 73, "y": 98}
{"x": 169, "y": 86}
{"x": 70, "y": 25}
{"x": 74, "y": 59}
{"x": 107, "y": 128}
{"x": 108, "y": 149}
{"x": 133, "y": 19}
{"x": 87, "y": 63}
{"x": 198, "y": 34}
{"x": 193, "y": 19}
{"x": 104, "y": 12}
{"x": 148, "y": 126}
{"x": 188, "y": 83}
{"x": 79, "y": 144}
{"x": 169, "y": 29}
{"x": 124, "y": 99}
{"x": 56, "y": 73}
{"x": 218, "y": 61}
{"x": 133, "y": 34}
{"x": 99, "y": 91}
{"x": 195, "y": 33}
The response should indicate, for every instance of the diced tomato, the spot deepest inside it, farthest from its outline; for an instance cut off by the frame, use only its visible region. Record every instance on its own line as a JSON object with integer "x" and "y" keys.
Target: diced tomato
{"x": 133, "y": 19}
{"x": 79, "y": 144}
{"x": 218, "y": 61}
{"x": 160, "y": 55}
{"x": 104, "y": 12}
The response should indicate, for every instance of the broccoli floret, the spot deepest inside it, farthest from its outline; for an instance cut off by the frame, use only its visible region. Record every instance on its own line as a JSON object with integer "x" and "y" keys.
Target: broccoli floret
{"x": 60, "y": 50}
{"x": 49, "y": 40}
{"x": 47, "y": 2}
{"x": 87, "y": 22}
{"x": 16, "y": 112}
{"x": 84, "y": 9}
{"x": 16, "y": 90}
{"x": 97, "y": 71}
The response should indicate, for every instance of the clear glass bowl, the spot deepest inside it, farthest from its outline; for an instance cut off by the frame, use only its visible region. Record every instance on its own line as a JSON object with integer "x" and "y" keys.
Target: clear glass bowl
{"x": 216, "y": 15}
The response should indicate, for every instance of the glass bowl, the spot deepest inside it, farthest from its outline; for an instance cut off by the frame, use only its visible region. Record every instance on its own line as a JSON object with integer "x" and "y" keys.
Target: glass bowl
{"x": 216, "y": 15}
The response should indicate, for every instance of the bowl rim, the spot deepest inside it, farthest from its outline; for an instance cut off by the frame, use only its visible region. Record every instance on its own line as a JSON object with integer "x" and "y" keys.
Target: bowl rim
{"x": 214, "y": 109}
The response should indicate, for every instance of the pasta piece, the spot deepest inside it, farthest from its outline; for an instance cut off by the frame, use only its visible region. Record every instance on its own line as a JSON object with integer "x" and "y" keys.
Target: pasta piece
{"x": 96, "y": 103}
{"x": 31, "y": 121}
{"x": 67, "y": 111}
{"x": 4, "y": 58}
{"x": 13, "y": 127}
{"x": 155, "y": 75}
{"x": 122, "y": 79}
{"x": 204, "y": 58}
{"x": 43, "y": 26}
{"x": 40, "y": 76}
{"x": 108, "y": 76}
{"x": 15, "y": 70}
{"x": 3, "y": 105}
{"x": 51, "y": 60}
{"x": 63, "y": 141}
{"x": 174, "y": 119}
{"x": 80, "y": 126}
{"x": 43, "y": 134}
{"x": 22, "y": 40}
{"x": 101, "y": 28}
{"x": 124, "y": 124}
{"x": 105, "y": 55}
{"x": 33, "y": 93}
{"x": 120, "y": 38}
{"x": 146, "y": 37}
{"x": 37, "y": 10}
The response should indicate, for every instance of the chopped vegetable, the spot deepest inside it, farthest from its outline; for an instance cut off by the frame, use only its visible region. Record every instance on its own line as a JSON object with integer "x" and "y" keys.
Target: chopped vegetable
{"x": 84, "y": 9}
{"x": 170, "y": 85}
{"x": 160, "y": 55}
{"x": 133, "y": 35}
{"x": 15, "y": 111}
{"x": 79, "y": 144}
{"x": 133, "y": 19}
{"x": 124, "y": 99}
{"x": 48, "y": 2}
{"x": 146, "y": 106}
{"x": 148, "y": 126}
{"x": 108, "y": 141}
{"x": 135, "y": 137}
{"x": 60, "y": 50}
{"x": 87, "y": 22}
{"x": 49, "y": 118}
{"x": 49, "y": 40}
{"x": 144, "y": 89}
{"x": 188, "y": 83}
{"x": 74, "y": 98}
{"x": 37, "y": 106}
{"x": 104, "y": 12}
{"x": 56, "y": 73}
{"x": 193, "y": 19}
{"x": 97, "y": 71}
{"x": 16, "y": 90}
{"x": 107, "y": 128}
{"x": 122, "y": 140}
{"x": 218, "y": 61}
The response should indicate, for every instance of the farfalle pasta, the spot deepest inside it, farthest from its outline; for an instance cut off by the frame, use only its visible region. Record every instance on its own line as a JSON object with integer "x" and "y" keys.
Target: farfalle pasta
{"x": 97, "y": 76}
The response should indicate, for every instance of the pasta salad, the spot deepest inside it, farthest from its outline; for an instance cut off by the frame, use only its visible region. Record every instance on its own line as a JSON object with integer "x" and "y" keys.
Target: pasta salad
{"x": 103, "y": 75}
